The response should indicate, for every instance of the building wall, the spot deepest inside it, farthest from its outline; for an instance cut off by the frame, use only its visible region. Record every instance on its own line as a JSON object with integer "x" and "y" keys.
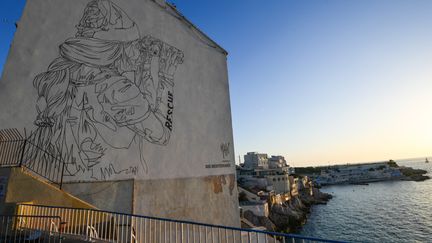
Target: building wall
{"x": 143, "y": 97}
{"x": 281, "y": 183}
{"x": 254, "y": 160}
{"x": 118, "y": 193}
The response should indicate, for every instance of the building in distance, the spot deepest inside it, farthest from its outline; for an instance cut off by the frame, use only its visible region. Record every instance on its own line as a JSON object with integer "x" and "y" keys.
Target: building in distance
{"x": 261, "y": 172}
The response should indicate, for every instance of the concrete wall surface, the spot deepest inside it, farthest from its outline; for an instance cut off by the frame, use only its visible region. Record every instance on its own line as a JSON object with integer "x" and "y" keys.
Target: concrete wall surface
{"x": 109, "y": 195}
{"x": 206, "y": 199}
{"x": 23, "y": 187}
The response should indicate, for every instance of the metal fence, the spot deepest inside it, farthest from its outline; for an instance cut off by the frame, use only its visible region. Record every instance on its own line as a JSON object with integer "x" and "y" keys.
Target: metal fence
{"x": 29, "y": 228}
{"x": 17, "y": 151}
{"x": 89, "y": 224}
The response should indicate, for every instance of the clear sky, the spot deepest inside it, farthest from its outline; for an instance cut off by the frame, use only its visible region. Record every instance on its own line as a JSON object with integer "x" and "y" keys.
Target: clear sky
{"x": 317, "y": 81}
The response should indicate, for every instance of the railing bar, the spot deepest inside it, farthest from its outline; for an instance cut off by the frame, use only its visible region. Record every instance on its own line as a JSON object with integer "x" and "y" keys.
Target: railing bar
{"x": 165, "y": 232}
{"x": 138, "y": 234}
{"x": 199, "y": 233}
{"x": 83, "y": 220}
{"x": 187, "y": 233}
{"x": 7, "y": 154}
{"x": 131, "y": 230}
{"x": 37, "y": 163}
{"x": 14, "y": 228}
{"x": 99, "y": 224}
{"x": 152, "y": 233}
{"x": 3, "y": 223}
{"x": 114, "y": 230}
{"x": 17, "y": 151}
{"x": 175, "y": 228}
{"x": 170, "y": 230}
{"x": 110, "y": 227}
{"x": 73, "y": 221}
{"x": 48, "y": 168}
{"x": 160, "y": 231}
{"x": 103, "y": 226}
{"x": 10, "y": 154}
{"x": 205, "y": 233}
{"x": 181, "y": 232}
{"x": 226, "y": 236}
{"x": 121, "y": 228}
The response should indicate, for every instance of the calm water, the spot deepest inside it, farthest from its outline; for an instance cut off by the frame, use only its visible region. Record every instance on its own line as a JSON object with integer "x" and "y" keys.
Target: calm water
{"x": 397, "y": 211}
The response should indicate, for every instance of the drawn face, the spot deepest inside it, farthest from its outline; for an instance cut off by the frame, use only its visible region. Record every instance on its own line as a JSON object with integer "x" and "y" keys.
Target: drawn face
{"x": 94, "y": 19}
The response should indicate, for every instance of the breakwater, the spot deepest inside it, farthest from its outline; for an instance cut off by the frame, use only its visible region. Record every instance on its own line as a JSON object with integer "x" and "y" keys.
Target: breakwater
{"x": 362, "y": 173}
{"x": 388, "y": 211}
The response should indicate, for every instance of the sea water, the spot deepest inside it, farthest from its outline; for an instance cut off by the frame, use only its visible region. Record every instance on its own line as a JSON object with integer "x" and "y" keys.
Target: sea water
{"x": 391, "y": 211}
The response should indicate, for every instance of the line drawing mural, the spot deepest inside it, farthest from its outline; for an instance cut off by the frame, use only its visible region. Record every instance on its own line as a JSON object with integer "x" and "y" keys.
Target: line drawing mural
{"x": 108, "y": 90}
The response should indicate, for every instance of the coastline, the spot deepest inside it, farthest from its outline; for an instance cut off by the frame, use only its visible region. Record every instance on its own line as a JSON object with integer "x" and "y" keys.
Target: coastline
{"x": 363, "y": 173}
{"x": 290, "y": 214}
{"x": 385, "y": 211}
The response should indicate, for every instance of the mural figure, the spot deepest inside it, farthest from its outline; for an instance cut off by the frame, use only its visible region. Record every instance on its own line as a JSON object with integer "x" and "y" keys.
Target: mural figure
{"x": 109, "y": 89}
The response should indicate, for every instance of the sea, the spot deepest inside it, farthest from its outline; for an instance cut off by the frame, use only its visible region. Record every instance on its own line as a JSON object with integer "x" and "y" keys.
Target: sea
{"x": 391, "y": 211}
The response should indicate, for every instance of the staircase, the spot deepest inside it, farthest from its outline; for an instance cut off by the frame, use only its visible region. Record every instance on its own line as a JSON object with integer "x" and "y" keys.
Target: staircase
{"x": 35, "y": 209}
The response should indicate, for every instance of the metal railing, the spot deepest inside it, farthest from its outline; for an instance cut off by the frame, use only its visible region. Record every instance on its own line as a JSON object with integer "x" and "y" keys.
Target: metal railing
{"x": 90, "y": 224}
{"x": 29, "y": 228}
{"x": 17, "y": 151}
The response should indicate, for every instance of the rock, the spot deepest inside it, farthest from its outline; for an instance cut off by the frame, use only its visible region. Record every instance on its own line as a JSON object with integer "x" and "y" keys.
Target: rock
{"x": 290, "y": 216}
{"x": 287, "y": 218}
{"x": 413, "y": 174}
{"x": 259, "y": 220}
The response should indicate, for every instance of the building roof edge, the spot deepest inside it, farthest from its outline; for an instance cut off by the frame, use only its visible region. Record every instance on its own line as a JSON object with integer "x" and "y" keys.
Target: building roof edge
{"x": 191, "y": 25}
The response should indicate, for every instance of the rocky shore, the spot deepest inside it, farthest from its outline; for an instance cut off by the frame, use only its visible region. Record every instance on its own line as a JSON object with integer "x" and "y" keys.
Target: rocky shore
{"x": 412, "y": 174}
{"x": 287, "y": 210}
{"x": 288, "y": 216}
{"x": 291, "y": 215}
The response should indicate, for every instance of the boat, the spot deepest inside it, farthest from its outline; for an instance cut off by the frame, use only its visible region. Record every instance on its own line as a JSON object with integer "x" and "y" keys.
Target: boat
{"x": 427, "y": 161}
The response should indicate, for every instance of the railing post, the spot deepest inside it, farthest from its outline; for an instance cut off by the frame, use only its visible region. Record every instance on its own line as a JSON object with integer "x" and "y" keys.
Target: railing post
{"x": 62, "y": 173}
{"x": 22, "y": 153}
{"x": 87, "y": 225}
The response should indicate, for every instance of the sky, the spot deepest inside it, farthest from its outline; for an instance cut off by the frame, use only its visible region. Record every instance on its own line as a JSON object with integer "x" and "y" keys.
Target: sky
{"x": 319, "y": 82}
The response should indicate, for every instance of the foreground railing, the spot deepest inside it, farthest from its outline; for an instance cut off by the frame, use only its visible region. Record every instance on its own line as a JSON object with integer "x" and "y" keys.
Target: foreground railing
{"x": 90, "y": 224}
{"x": 29, "y": 228}
{"x": 16, "y": 151}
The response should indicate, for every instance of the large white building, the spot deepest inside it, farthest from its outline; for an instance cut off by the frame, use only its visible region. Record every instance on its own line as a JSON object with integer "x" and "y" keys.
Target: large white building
{"x": 265, "y": 173}
{"x": 134, "y": 98}
{"x": 277, "y": 161}
{"x": 256, "y": 160}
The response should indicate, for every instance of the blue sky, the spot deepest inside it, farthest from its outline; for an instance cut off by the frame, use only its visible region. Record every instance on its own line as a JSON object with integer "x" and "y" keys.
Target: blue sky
{"x": 317, "y": 81}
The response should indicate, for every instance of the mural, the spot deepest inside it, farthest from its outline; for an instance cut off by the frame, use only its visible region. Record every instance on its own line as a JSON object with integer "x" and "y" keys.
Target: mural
{"x": 109, "y": 90}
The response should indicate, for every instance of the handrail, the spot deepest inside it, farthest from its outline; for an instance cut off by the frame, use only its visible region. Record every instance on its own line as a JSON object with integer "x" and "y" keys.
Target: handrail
{"x": 17, "y": 151}
{"x": 130, "y": 217}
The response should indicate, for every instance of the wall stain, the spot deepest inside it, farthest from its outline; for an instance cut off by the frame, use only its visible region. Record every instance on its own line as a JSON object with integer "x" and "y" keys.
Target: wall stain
{"x": 232, "y": 183}
{"x": 218, "y": 182}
